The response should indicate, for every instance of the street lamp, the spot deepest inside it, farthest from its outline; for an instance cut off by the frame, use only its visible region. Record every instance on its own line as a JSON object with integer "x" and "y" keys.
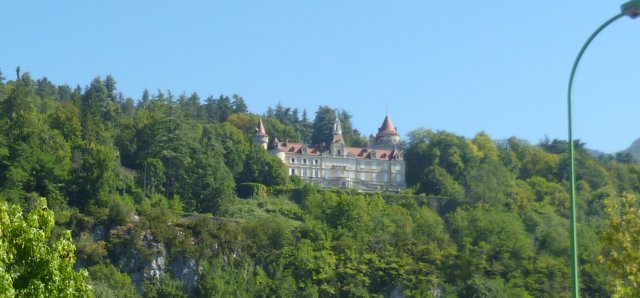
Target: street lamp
{"x": 631, "y": 9}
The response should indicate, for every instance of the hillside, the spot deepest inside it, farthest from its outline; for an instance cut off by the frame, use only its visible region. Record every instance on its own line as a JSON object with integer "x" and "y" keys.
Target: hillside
{"x": 634, "y": 149}
{"x": 164, "y": 196}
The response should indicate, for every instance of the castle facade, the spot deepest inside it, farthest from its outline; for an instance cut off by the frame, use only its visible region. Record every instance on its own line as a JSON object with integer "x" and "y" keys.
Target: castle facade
{"x": 379, "y": 167}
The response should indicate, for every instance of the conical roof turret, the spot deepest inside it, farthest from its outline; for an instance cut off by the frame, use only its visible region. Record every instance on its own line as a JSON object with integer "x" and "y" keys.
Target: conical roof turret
{"x": 387, "y": 127}
{"x": 260, "y": 131}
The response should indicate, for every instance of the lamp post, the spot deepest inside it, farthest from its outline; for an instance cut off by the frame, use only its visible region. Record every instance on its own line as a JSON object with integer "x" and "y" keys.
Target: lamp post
{"x": 631, "y": 9}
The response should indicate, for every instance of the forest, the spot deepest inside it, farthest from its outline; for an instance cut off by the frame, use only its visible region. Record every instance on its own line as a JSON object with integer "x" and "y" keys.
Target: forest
{"x": 164, "y": 196}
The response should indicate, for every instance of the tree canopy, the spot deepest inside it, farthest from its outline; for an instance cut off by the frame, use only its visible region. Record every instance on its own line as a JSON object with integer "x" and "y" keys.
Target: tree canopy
{"x": 164, "y": 195}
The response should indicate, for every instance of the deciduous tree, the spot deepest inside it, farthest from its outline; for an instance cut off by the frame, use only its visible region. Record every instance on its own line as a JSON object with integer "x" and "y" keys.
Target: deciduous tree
{"x": 31, "y": 263}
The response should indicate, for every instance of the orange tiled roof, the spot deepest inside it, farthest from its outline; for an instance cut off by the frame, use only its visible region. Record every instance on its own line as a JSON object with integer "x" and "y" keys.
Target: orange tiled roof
{"x": 296, "y": 148}
{"x": 359, "y": 153}
{"x": 365, "y": 153}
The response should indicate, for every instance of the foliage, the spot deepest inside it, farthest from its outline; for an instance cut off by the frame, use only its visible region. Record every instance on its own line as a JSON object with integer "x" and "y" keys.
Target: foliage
{"x": 108, "y": 282}
{"x": 264, "y": 168}
{"x": 622, "y": 239}
{"x": 154, "y": 179}
{"x": 226, "y": 280}
{"x": 163, "y": 287}
{"x": 31, "y": 265}
{"x": 252, "y": 190}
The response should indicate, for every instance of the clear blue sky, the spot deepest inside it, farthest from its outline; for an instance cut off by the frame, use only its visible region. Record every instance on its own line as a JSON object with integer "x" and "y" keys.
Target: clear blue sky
{"x": 460, "y": 66}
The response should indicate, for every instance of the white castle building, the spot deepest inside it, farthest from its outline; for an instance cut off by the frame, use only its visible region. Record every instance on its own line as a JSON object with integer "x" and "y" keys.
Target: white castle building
{"x": 379, "y": 167}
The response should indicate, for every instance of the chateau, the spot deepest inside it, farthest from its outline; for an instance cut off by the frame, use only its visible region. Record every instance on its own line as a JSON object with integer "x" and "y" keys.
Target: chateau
{"x": 379, "y": 167}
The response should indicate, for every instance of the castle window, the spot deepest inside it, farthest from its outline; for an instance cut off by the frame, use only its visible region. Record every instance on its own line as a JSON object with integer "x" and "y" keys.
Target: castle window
{"x": 339, "y": 152}
{"x": 315, "y": 162}
{"x": 317, "y": 173}
{"x": 304, "y": 161}
{"x": 304, "y": 172}
{"x": 293, "y": 160}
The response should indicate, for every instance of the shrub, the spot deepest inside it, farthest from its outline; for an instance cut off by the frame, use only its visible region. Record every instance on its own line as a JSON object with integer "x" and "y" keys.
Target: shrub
{"x": 108, "y": 282}
{"x": 251, "y": 190}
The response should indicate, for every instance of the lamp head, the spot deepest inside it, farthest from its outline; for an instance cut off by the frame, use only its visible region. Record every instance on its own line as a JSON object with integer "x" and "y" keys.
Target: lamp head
{"x": 631, "y": 8}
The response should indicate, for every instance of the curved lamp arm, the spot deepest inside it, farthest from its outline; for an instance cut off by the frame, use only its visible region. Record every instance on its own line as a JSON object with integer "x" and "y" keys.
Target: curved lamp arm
{"x": 631, "y": 9}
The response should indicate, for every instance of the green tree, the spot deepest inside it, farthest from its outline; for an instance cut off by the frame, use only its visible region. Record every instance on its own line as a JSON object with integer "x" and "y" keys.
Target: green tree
{"x": 66, "y": 119}
{"x": 622, "y": 241}
{"x": 262, "y": 167}
{"x": 238, "y": 104}
{"x": 218, "y": 279}
{"x": 45, "y": 89}
{"x": 456, "y": 155}
{"x": 32, "y": 264}
{"x": 230, "y": 140}
{"x": 171, "y": 141}
{"x": 94, "y": 107}
{"x": 37, "y": 158}
{"x": 436, "y": 181}
{"x": 96, "y": 176}
{"x": 164, "y": 287}
{"x": 491, "y": 183}
{"x": 267, "y": 236}
{"x": 323, "y": 126}
{"x": 189, "y": 107}
{"x": 108, "y": 282}
{"x": 487, "y": 149}
{"x": 224, "y": 108}
{"x": 211, "y": 183}
{"x": 491, "y": 242}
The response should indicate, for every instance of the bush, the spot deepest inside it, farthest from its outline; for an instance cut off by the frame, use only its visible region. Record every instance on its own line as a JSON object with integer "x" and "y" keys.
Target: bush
{"x": 121, "y": 210}
{"x": 164, "y": 287}
{"x": 89, "y": 251}
{"x": 108, "y": 282}
{"x": 295, "y": 194}
{"x": 251, "y": 190}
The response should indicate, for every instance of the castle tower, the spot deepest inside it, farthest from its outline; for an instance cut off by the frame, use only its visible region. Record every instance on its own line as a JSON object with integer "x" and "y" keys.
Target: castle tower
{"x": 337, "y": 131}
{"x": 387, "y": 136}
{"x": 337, "y": 144}
{"x": 260, "y": 138}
